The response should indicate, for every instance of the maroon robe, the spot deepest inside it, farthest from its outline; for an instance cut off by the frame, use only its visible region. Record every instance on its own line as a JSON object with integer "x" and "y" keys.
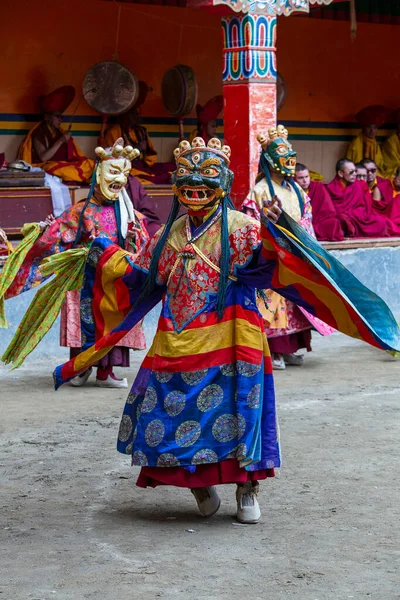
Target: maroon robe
{"x": 395, "y": 208}
{"x": 353, "y": 204}
{"x": 389, "y": 206}
{"x": 143, "y": 204}
{"x": 324, "y": 218}
{"x": 384, "y": 206}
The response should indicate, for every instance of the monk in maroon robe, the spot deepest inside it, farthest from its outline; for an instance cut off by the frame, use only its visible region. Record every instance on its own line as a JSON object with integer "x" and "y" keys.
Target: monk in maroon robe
{"x": 324, "y": 218}
{"x": 353, "y": 203}
{"x": 381, "y": 189}
{"x": 361, "y": 172}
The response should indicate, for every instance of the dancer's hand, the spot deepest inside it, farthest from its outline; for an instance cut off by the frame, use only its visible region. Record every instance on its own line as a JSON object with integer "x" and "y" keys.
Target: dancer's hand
{"x": 273, "y": 209}
{"x": 3, "y": 237}
{"x": 49, "y": 220}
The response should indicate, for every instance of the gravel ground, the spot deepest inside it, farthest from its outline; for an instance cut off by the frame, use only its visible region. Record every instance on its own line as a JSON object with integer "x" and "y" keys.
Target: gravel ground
{"x": 73, "y": 524}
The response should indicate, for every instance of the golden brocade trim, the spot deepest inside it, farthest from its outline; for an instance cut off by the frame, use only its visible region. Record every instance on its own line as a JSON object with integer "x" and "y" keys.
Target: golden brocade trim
{"x": 209, "y": 262}
{"x": 185, "y": 254}
{"x": 182, "y": 243}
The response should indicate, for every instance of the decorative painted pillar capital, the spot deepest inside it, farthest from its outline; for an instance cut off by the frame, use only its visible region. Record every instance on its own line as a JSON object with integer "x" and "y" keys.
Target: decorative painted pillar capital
{"x": 271, "y": 7}
{"x": 249, "y": 48}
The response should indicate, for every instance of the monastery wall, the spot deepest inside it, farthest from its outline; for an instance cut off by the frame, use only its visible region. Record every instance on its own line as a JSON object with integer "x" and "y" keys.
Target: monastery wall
{"x": 328, "y": 76}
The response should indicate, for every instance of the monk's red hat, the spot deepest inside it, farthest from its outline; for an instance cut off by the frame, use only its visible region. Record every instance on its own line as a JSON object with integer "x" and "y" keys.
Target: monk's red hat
{"x": 57, "y": 101}
{"x": 211, "y": 110}
{"x": 372, "y": 115}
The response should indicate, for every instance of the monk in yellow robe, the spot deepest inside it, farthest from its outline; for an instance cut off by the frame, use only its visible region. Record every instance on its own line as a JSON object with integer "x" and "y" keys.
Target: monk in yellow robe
{"x": 51, "y": 148}
{"x": 146, "y": 168}
{"x": 365, "y": 144}
{"x": 391, "y": 149}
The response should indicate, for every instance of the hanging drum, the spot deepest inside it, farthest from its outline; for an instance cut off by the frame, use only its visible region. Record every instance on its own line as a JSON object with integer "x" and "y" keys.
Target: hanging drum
{"x": 110, "y": 88}
{"x": 179, "y": 92}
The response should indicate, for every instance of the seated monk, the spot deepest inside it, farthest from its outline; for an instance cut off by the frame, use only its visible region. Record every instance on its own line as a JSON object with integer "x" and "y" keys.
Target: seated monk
{"x": 324, "y": 218}
{"x": 48, "y": 146}
{"x": 207, "y": 119}
{"x": 381, "y": 189}
{"x": 385, "y": 195}
{"x": 365, "y": 144}
{"x": 391, "y": 149}
{"x": 145, "y": 168}
{"x": 361, "y": 172}
{"x": 353, "y": 204}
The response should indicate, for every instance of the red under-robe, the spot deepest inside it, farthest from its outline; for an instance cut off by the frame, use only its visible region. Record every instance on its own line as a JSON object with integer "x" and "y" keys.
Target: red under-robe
{"x": 384, "y": 206}
{"x": 353, "y": 204}
{"x": 389, "y": 205}
{"x": 395, "y": 211}
{"x": 324, "y": 217}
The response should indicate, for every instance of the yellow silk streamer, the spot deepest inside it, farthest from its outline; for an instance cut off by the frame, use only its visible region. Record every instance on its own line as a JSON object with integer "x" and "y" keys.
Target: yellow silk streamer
{"x": 68, "y": 268}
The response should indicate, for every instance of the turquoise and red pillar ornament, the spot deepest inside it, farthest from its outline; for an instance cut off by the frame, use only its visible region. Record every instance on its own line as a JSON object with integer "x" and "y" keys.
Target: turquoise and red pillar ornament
{"x": 249, "y": 88}
{"x": 249, "y": 77}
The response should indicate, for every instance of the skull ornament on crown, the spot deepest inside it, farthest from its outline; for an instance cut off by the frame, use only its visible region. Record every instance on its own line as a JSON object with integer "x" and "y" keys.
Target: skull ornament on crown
{"x": 114, "y": 167}
{"x": 277, "y": 151}
{"x": 202, "y": 175}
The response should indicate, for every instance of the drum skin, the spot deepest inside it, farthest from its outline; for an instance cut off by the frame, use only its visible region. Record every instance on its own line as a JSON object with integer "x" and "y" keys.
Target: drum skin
{"x": 110, "y": 88}
{"x": 179, "y": 90}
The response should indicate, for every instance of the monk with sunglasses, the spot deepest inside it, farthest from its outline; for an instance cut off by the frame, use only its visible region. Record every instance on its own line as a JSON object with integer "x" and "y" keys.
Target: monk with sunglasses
{"x": 353, "y": 203}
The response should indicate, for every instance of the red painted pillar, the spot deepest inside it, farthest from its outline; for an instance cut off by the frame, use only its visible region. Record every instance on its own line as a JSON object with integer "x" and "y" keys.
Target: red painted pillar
{"x": 249, "y": 88}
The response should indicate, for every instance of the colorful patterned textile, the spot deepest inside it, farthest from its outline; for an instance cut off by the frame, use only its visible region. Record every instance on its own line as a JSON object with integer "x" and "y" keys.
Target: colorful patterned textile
{"x": 204, "y": 392}
{"x": 188, "y": 416}
{"x": 70, "y": 320}
{"x": 336, "y": 296}
{"x": 98, "y": 220}
{"x": 283, "y": 317}
{"x": 189, "y": 277}
{"x": 102, "y": 302}
{"x": 312, "y": 277}
{"x": 213, "y": 376}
